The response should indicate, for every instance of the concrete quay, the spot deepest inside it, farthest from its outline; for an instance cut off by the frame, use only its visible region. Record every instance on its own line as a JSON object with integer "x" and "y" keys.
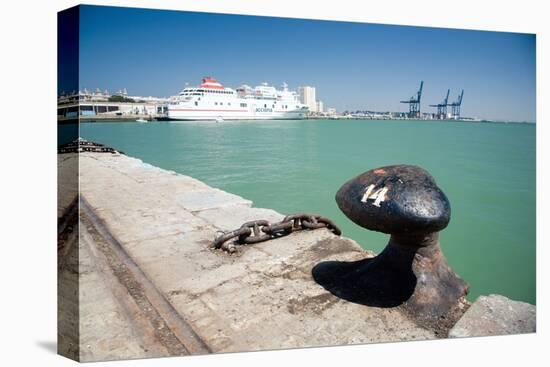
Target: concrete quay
{"x": 120, "y": 118}
{"x": 138, "y": 279}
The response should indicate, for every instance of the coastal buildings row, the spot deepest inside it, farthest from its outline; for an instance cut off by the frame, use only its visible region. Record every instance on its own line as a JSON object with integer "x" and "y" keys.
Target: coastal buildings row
{"x": 208, "y": 101}
{"x": 245, "y": 102}
{"x": 374, "y": 115}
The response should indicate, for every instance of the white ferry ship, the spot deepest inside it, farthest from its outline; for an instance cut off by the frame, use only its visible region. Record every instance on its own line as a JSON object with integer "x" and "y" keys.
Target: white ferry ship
{"x": 212, "y": 101}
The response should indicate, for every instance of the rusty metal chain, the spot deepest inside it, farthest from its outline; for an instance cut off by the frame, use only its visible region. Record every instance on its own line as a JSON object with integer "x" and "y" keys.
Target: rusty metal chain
{"x": 261, "y": 230}
{"x": 80, "y": 145}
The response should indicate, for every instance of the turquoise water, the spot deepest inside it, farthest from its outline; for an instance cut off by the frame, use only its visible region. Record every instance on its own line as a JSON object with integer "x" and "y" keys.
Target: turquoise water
{"x": 486, "y": 169}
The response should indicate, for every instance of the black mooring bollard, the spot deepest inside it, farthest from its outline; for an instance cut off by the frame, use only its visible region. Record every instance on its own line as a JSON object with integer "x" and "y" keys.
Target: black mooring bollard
{"x": 405, "y": 202}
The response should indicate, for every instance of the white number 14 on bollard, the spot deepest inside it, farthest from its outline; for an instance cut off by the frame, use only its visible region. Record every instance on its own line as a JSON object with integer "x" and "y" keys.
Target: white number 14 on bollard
{"x": 378, "y": 196}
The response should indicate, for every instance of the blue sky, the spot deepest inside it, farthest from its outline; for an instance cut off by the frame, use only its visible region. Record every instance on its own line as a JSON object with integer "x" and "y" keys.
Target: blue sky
{"x": 352, "y": 65}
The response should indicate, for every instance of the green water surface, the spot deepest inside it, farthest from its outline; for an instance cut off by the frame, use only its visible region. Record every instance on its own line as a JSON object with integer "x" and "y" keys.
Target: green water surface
{"x": 487, "y": 171}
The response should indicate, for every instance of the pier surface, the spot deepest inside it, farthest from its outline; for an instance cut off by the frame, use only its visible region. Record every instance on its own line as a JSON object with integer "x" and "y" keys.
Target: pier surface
{"x": 149, "y": 285}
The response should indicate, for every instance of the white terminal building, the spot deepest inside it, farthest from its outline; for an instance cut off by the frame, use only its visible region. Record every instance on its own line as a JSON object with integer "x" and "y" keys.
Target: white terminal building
{"x": 85, "y": 103}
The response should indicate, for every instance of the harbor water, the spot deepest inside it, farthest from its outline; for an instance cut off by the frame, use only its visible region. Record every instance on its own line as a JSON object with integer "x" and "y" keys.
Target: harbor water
{"x": 487, "y": 171}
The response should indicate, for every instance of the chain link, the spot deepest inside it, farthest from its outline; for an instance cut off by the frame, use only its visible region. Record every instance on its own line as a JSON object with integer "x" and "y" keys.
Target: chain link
{"x": 80, "y": 145}
{"x": 261, "y": 230}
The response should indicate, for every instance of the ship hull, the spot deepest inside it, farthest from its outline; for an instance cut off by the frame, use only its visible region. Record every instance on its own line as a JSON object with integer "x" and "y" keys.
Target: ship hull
{"x": 203, "y": 115}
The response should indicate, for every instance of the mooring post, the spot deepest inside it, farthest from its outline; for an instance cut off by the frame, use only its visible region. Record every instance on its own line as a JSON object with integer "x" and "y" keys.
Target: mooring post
{"x": 405, "y": 202}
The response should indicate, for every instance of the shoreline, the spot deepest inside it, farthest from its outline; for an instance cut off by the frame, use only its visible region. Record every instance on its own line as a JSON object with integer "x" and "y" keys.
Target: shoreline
{"x": 90, "y": 120}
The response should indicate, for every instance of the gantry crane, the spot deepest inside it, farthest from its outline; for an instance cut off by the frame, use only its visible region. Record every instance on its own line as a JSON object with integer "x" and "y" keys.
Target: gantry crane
{"x": 414, "y": 103}
{"x": 455, "y": 106}
{"x": 442, "y": 107}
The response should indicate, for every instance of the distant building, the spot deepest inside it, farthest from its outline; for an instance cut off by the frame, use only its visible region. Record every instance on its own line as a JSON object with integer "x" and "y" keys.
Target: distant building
{"x": 307, "y": 97}
{"x": 320, "y": 107}
{"x": 331, "y": 111}
{"x": 122, "y": 92}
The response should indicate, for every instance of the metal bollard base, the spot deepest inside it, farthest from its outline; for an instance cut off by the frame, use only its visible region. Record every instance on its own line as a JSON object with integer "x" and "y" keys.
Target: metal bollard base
{"x": 414, "y": 277}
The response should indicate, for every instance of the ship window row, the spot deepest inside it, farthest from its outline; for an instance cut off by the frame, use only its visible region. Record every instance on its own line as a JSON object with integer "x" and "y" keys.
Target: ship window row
{"x": 243, "y": 105}
{"x": 216, "y": 91}
{"x": 221, "y": 103}
{"x": 195, "y": 91}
